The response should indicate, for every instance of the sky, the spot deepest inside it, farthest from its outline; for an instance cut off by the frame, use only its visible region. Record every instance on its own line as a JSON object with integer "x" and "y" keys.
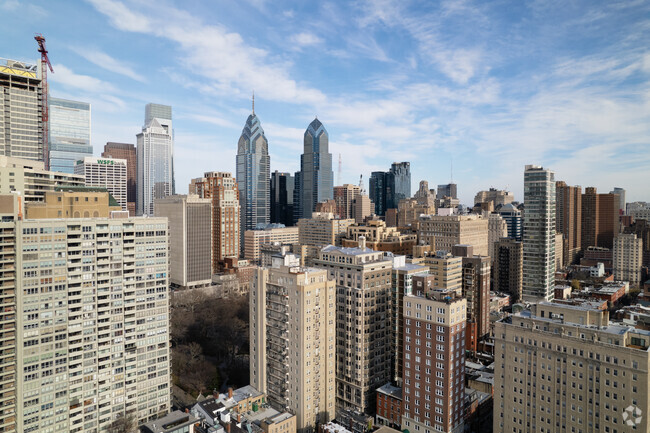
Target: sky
{"x": 485, "y": 87}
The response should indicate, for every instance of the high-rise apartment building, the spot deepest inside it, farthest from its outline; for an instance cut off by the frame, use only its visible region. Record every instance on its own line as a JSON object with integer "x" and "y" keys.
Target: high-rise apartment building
{"x": 627, "y": 258}
{"x": 362, "y": 208}
{"x": 125, "y": 151}
{"x": 539, "y": 234}
{"x": 568, "y": 219}
{"x": 387, "y": 189}
{"x": 323, "y": 229}
{"x": 621, "y": 195}
{"x": 69, "y": 132}
{"x": 344, "y": 197}
{"x": 79, "y": 339}
{"x": 508, "y": 267}
{"x": 253, "y": 172}
{"x": 190, "y": 239}
{"x": 282, "y": 186}
{"x": 445, "y": 231}
{"x": 21, "y": 111}
{"x": 222, "y": 189}
{"x": 567, "y": 368}
{"x": 514, "y": 221}
{"x": 155, "y": 158}
{"x": 254, "y": 239}
{"x": 292, "y": 341}
{"x": 363, "y": 336}
{"x": 448, "y": 190}
{"x": 31, "y": 180}
{"x": 317, "y": 176}
{"x": 434, "y": 360}
{"x": 73, "y": 202}
{"x": 380, "y": 238}
{"x": 107, "y": 173}
{"x": 600, "y": 219}
{"x": 497, "y": 229}
{"x": 494, "y": 196}
{"x": 447, "y": 271}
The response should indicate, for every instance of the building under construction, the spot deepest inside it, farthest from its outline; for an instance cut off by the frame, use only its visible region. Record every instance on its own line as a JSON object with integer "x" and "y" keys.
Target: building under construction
{"x": 21, "y": 110}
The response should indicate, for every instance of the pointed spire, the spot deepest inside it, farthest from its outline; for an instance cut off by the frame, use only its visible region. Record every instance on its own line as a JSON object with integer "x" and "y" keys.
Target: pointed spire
{"x": 253, "y": 101}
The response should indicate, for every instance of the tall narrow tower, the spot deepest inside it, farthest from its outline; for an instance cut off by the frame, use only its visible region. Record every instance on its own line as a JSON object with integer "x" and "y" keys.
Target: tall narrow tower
{"x": 316, "y": 168}
{"x": 539, "y": 234}
{"x": 253, "y": 171}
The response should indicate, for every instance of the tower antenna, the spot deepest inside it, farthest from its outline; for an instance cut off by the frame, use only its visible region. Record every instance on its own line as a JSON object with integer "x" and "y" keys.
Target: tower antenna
{"x": 338, "y": 177}
{"x": 253, "y": 101}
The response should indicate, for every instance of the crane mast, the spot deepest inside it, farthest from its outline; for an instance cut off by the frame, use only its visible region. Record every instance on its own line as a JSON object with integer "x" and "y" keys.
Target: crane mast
{"x": 45, "y": 64}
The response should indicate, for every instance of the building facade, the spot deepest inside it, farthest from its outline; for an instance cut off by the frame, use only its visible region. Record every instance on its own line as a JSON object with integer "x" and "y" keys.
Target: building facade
{"x": 254, "y": 239}
{"x": 106, "y": 173}
{"x": 514, "y": 221}
{"x": 31, "y": 180}
{"x": 222, "y": 189}
{"x": 443, "y": 232}
{"x": 155, "y": 154}
{"x": 448, "y": 190}
{"x": 388, "y": 188}
{"x": 282, "y": 186}
{"x": 600, "y": 219}
{"x": 125, "y": 151}
{"x": 627, "y": 258}
{"x": 494, "y": 196}
{"x": 292, "y": 341}
{"x": 508, "y": 267}
{"x": 322, "y": 229}
{"x": 344, "y": 196}
{"x": 21, "y": 111}
{"x": 69, "y": 132}
{"x": 568, "y": 218}
{"x": 539, "y": 234}
{"x": 317, "y": 176}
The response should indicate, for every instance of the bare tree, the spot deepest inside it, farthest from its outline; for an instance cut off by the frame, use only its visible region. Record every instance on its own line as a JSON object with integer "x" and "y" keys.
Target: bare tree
{"x": 123, "y": 424}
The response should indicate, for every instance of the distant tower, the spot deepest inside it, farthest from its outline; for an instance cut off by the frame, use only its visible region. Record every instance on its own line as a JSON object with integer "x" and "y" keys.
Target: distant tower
{"x": 338, "y": 177}
{"x": 316, "y": 167}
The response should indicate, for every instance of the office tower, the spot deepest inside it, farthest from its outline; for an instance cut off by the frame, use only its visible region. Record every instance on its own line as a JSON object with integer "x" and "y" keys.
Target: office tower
{"x": 476, "y": 289}
{"x": 641, "y": 228}
{"x": 31, "y": 180}
{"x": 628, "y": 258}
{"x": 21, "y": 111}
{"x": 404, "y": 278}
{"x": 190, "y": 239}
{"x": 292, "y": 340}
{"x": 449, "y": 190}
{"x": 254, "y": 239}
{"x": 600, "y": 218}
{"x": 621, "y": 195}
{"x": 443, "y": 232}
{"x": 508, "y": 264}
{"x": 155, "y": 153}
{"x": 363, "y": 338}
{"x": 107, "y": 173}
{"x": 282, "y": 186}
{"x": 422, "y": 203}
{"x": 322, "y": 229}
{"x": 222, "y": 189}
{"x": 317, "y": 176}
{"x": 514, "y": 221}
{"x": 379, "y": 237}
{"x": 361, "y": 208}
{"x": 497, "y": 229}
{"x": 434, "y": 361}
{"x": 377, "y": 187}
{"x": 568, "y": 219}
{"x": 344, "y": 197}
{"x": 494, "y": 196}
{"x": 539, "y": 234}
{"x": 74, "y": 202}
{"x": 69, "y": 134}
{"x": 78, "y": 340}
{"x": 586, "y": 373}
{"x": 125, "y": 151}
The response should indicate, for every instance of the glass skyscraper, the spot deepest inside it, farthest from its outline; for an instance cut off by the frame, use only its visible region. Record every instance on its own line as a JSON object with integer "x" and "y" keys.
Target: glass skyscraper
{"x": 388, "y": 188}
{"x": 316, "y": 167}
{"x": 253, "y": 173}
{"x": 155, "y": 152}
{"x": 69, "y": 134}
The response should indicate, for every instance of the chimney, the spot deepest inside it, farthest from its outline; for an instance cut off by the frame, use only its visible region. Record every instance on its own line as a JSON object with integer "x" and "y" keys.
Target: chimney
{"x": 229, "y": 392}
{"x": 215, "y": 394}
{"x": 238, "y": 418}
{"x": 187, "y": 410}
{"x": 362, "y": 242}
{"x": 228, "y": 427}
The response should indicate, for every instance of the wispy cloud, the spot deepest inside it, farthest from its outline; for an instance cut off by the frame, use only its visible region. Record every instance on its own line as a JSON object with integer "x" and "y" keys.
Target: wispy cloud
{"x": 68, "y": 78}
{"x": 109, "y": 63}
{"x": 305, "y": 39}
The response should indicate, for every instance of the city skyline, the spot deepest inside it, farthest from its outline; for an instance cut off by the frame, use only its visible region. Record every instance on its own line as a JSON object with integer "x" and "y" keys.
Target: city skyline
{"x": 578, "y": 108}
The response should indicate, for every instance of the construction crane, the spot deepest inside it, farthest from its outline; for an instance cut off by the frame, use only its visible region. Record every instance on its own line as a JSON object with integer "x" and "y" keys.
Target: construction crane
{"x": 45, "y": 64}
{"x": 338, "y": 178}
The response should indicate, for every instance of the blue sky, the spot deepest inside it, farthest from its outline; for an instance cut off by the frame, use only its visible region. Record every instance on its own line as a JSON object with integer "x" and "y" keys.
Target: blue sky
{"x": 492, "y": 85}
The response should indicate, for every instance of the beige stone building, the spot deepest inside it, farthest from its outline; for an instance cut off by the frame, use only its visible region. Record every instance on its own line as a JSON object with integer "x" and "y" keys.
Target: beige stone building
{"x": 494, "y": 196}
{"x": 344, "y": 196}
{"x": 292, "y": 341}
{"x": 77, "y": 202}
{"x": 322, "y": 229}
{"x": 628, "y": 258}
{"x": 362, "y": 207}
{"x": 363, "y": 338}
{"x": 380, "y": 238}
{"x": 447, "y": 271}
{"x": 559, "y": 251}
{"x": 443, "y": 232}
{"x": 281, "y": 423}
{"x": 190, "y": 234}
{"x": 253, "y": 240}
{"x": 31, "y": 180}
{"x": 568, "y": 368}
{"x": 497, "y": 229}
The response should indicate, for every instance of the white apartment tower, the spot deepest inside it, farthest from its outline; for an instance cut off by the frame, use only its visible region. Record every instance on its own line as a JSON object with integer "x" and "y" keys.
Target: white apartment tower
{"x": 155, "y": 177}
{"x": 539, "y": 234}
{"x": 628, "y": 258}
{"x": 109, "y": 173}
{"x": 292, "y": 340}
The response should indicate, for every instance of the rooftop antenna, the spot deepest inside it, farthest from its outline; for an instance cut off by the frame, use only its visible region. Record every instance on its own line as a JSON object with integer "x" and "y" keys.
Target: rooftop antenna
{"x": 253, "y": 101}
{"x": 338, "y": 177}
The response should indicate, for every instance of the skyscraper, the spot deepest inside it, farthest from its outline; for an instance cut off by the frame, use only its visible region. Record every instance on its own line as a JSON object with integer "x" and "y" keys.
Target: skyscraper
{"x": 21, "y": 111}
{"x": 282, "y": 186}
{"x": 447, "y": 190}
{"x": 109, "y": 173}
{"x": 621, "y": 195}
{"x": 253, "y": 172}
{"x": 155, "y": 158}
{"x": 568, "y": 219}
{"x": 69, "y": 134}
{"x": 600, "y": 218}
{"x": 316, "y": 167}
{"x": 388, "y": 188}
{"x": 125, "y": 151}
{"x": 377, "y": 189}
{"x": 539, "y": 234}
{"x": 514, "y": 221}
